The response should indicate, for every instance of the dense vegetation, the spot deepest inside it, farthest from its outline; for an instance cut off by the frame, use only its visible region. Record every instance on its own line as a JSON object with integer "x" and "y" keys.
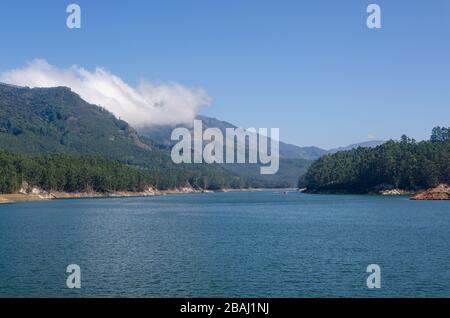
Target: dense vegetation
{"x": 56, "y": 120}
{"x": 72, "y": 173}
{"x": 68, "y": 173}
{"x": 48, "y": 122}
{"x": 404, "y": 164}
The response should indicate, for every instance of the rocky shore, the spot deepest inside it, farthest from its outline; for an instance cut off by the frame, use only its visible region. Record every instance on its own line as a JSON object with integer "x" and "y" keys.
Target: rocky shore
{"x": 30, "y": 193}
{"x": 394, "y": 192}
{"x": 441, "y": 192}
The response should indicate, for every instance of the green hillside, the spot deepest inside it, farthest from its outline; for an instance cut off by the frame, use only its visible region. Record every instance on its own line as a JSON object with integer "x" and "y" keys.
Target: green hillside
{"x": 44, "y": 121}
{"x": 404, "y": 164}
{"x": 56, "y": 120}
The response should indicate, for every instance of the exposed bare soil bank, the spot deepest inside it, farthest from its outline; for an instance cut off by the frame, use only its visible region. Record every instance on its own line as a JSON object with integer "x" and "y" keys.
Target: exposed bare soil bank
{"x": 28, "y": 193}
{"x": 441, "y": 192}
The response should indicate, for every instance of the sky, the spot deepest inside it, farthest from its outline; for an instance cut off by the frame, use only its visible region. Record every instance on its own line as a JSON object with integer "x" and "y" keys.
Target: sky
{"x": 310, "y": 68}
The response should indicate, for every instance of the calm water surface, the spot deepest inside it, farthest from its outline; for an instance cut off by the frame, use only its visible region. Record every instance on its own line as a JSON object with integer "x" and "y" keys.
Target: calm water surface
{"x": 266, "y": 244}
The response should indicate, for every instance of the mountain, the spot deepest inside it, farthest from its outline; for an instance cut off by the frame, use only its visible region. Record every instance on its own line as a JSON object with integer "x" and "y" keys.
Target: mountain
{"x": 294, "y": 160}
{"x": 161, "y": 135}
{"x": 366, "y": 144}
{"x": 50, "y": 120}
{"x": 41, "y": 121}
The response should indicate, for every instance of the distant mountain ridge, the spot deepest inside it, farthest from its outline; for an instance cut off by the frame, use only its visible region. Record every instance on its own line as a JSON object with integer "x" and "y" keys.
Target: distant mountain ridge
{"x": 37, "y": 121}
{"x": 161, "y": 135}
{"x": 294, "y": 160}
{"x": 43, "y": 105}
{"x": 365, "y": 144}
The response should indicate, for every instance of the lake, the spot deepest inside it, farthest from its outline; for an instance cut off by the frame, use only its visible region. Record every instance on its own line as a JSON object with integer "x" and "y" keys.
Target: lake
{"x": 237, "y": 244}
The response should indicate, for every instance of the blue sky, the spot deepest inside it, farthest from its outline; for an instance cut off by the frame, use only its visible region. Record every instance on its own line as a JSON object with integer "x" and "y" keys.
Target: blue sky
{"x": 311, "y": 68}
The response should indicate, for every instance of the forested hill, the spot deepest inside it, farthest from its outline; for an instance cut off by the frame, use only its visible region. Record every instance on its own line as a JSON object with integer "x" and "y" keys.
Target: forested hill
{"x": 404, "y": 164}
{"x": 43, "y": 121}
{"x": 49, "y": 121}
{"x": 56, "y": 120}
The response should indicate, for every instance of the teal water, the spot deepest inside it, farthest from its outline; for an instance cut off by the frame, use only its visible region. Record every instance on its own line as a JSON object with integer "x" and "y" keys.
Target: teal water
{"x": 262, "y": 244}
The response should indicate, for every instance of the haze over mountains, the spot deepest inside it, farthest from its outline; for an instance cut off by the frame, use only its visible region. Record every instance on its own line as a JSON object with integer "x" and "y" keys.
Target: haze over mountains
{"x": 56, "y": 120}
{"x": 161, "y": 135}
{"x": 365, "y": 144}
{"x": 294, "y": 160}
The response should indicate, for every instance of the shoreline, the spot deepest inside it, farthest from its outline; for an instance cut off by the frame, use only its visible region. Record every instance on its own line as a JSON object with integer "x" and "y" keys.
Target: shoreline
{"x": 35, "y": 196}
{"x": 57, "y": 195}
{"x": 439, "y": 193}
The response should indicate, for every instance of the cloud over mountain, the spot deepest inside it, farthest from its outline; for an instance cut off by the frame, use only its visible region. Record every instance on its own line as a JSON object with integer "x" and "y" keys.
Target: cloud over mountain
{"x": 148, "y": 104}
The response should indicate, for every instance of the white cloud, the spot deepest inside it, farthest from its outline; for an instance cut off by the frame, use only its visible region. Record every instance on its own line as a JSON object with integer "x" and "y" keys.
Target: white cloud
{"x": 371, "y": 136}
{"x": 145, "y": 105}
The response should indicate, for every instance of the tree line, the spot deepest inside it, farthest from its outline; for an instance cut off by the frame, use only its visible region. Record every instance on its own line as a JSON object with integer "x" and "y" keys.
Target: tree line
{"x": 405, "y": 164}
{"x": 75, "y": 173}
